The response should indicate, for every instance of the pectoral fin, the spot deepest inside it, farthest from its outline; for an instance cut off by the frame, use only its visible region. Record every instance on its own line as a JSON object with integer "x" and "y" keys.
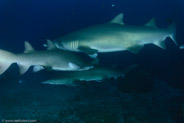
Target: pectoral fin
{"x": 37, "y": 68}
{"x": 23, "y": 69}
{"x": 73, "y": 66}
{"x": 160, "y": 44}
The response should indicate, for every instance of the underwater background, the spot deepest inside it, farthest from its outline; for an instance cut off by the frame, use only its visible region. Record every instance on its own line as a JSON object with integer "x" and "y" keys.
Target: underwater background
{"x": 151, "y": 93}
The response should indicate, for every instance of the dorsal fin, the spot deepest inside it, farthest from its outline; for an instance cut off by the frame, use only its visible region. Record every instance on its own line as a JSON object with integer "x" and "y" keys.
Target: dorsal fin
{"x": 28, "y": 47}
{"x": 50, "y": 45}
{"x": 151, "y": 23}
{"x": 118, "y": 19}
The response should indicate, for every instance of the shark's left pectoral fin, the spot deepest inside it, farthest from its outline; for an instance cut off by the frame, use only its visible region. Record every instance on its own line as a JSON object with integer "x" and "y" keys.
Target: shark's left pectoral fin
{"x": 37, "y": 68}
{"x": 91, "y": 52}
{"x": 160, "y": 44}
{"x": 135, "y": 49}
{"x": 118, "y": 19}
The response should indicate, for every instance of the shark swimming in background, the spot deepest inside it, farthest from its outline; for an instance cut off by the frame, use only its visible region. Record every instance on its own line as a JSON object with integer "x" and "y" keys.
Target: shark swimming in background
{"x": 51, "y": 59}
{"x": 115, "y": 36}
{"x": 97, "y": 74}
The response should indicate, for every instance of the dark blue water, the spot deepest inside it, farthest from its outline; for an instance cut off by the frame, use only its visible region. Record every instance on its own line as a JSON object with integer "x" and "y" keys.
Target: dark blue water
{"x": 152, "y": 93}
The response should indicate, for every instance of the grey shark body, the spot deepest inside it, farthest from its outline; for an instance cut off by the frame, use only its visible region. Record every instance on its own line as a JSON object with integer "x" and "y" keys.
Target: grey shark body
{"x": 51, "y": 59}
{"x": 97, "y": 74}
{"x": 114, "y": 36}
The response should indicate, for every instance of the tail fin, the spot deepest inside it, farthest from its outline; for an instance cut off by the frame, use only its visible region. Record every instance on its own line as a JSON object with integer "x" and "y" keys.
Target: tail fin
{"x": 172, "y": 30}
{"x": 6, "y": 59}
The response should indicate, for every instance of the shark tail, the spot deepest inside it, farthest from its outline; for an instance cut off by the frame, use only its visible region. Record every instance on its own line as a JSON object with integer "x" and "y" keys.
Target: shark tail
{"x": 172, "y": 30}
{"x": 6, "y": 60}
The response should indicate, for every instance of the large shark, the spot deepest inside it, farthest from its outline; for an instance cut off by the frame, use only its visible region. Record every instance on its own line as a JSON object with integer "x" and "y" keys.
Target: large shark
{"x": 115, "y": 36}
{"x": 51, "y": 59}
{"x": 97, "y": 74}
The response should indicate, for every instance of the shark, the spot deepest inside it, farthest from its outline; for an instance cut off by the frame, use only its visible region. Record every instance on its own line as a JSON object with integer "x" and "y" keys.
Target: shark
{"x": 50, "y": 59}
{"x": 97, "y": 74}
{"x": 115, "y": 36}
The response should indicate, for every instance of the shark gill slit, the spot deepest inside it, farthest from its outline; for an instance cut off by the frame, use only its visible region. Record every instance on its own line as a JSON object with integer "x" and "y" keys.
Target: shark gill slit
{"x": 76, "y": 44}
{"x": 73, "y": 45}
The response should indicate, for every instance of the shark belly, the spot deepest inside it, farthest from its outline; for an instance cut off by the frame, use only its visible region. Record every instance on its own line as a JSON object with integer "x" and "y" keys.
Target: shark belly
{"x": 105, "y": 49}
